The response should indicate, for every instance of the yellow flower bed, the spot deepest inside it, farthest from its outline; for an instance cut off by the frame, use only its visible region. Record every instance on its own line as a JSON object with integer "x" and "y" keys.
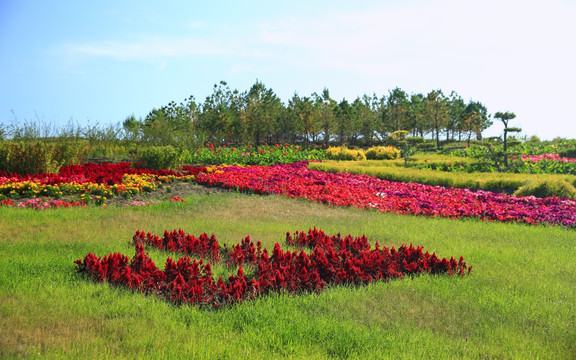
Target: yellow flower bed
{"x": 90, "y": 192}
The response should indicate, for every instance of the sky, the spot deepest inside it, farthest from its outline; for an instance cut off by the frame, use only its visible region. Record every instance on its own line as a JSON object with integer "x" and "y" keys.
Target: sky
{"x": 98, "y": 62}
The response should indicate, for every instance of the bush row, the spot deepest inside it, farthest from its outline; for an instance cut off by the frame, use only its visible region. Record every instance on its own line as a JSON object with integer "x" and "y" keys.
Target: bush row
{"x": 373, "y": 153}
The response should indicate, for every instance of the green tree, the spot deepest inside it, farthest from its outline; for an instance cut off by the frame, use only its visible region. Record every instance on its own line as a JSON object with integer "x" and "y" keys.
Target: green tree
{"x": 396, "y": 110}
{"x": 156, "y": 128}
{"x": 325, "y": 108}
{"x": 369, "y": 114}
{"x": 436, "y": 113}
{"x": 217, "y": 115}
{"x": 262, "y": 112}
{"x": 132, "y": 128}
{"x": 456, "y": 107}
{"x": 416, "y": 115}
{"x": 304, "y": 117}
{"x": 173, "y": 124}
{"x": 362, "y": 121}
{"x": 475, "y": 120}
{"x": 505, "y": 117}
{"x": 343, "y": 114}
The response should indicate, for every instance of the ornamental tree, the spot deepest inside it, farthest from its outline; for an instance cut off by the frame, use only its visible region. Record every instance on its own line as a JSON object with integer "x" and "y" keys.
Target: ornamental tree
{"x": 505, "y": 117}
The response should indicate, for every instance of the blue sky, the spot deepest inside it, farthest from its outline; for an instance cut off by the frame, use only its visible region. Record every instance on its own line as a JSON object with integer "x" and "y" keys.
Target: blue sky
{"x": 99, "y": 62}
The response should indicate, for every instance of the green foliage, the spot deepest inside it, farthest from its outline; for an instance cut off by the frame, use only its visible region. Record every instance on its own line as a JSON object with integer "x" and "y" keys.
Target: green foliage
{"x": 485, "y": 154}
{"x": 559, "y": 188}
{"x": 36, "y": 157}
{"x": 159, "y": 157}
{"x": 547, "y": 166}
{"x": 111, "y": 152}
{"x": 558, "y": 146}
{"x": 252, "y": 155}
{"x": 569, "y": 153}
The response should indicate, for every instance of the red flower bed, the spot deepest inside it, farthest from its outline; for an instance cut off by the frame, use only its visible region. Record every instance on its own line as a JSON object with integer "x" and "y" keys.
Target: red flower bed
{"x": 368, "y": 192}
{"x": 42, "y": 204}
{"x": 106, "y": 173}
{"x": 334, "y": 260}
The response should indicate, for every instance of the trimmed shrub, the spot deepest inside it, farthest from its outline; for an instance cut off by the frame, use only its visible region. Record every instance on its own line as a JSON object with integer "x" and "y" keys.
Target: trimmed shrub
{"x": 541, "y": 189}
{"x": 343, "y": 153}
{"x": 382, "y": 153}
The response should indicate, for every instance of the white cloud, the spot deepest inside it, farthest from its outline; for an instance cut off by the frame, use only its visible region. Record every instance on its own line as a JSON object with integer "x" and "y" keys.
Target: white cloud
{"x": 156, "y": 48}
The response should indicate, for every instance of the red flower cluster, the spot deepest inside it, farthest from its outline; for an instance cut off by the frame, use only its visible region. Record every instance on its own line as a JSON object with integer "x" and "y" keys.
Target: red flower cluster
{"x": 7, "y": 202}
{"x": 179, "y": 241}
{"x": 334, "y": 260}
{"x": 43, "y": 203}
{"x": 245, "y": 252}
{"x": 106, "y": 173}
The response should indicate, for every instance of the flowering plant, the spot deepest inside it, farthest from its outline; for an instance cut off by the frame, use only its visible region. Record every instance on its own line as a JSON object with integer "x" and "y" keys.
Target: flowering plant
{"x": 334, "y": 260}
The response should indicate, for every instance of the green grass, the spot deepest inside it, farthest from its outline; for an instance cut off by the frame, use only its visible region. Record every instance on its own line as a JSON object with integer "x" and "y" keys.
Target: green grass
{"x": 519, "y": 302}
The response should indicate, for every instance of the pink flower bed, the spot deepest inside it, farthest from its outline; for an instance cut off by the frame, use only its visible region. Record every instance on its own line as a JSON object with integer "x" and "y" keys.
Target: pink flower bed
{"x": 367, "y": 192}
{"x": 554, "y": 157}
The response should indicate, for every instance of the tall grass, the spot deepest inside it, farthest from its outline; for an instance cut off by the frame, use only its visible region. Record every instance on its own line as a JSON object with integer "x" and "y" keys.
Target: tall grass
{"x": 519, "y": 301}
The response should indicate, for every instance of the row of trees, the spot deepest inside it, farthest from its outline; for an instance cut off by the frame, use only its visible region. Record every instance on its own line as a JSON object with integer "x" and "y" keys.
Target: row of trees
{"x": 258, "y": 115}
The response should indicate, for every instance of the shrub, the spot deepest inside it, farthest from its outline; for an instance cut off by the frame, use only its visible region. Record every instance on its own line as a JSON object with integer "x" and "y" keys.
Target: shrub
{"x": 65, "y": 153}
{"x": 427, "y": 145}
{"x": 541, "y": 189}
{"x": 568, "y": 153}
{"x": 159, "y": 157}
{"x": 343, "y": 153}
{"x": 108, "y": 151}
{"x": 37, "y": 158}
{"x": 382, "y": 153}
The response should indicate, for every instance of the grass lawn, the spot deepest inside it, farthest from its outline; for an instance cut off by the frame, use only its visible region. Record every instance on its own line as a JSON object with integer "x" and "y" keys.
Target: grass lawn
{"x": 519, "y": 302}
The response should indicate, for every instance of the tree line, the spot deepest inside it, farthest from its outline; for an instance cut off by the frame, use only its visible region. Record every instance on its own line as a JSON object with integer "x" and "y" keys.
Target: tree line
{"x": 259, "y": 116}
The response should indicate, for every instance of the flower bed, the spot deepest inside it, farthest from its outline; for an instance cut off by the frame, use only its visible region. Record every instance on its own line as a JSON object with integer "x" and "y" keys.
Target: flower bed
{"x": 554, "y": 157}
{"x": 334, "y": 260}
{"x": 367, "y": 192}
{"x": 93, "y": 183}
{"x": 42, "y": 203}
